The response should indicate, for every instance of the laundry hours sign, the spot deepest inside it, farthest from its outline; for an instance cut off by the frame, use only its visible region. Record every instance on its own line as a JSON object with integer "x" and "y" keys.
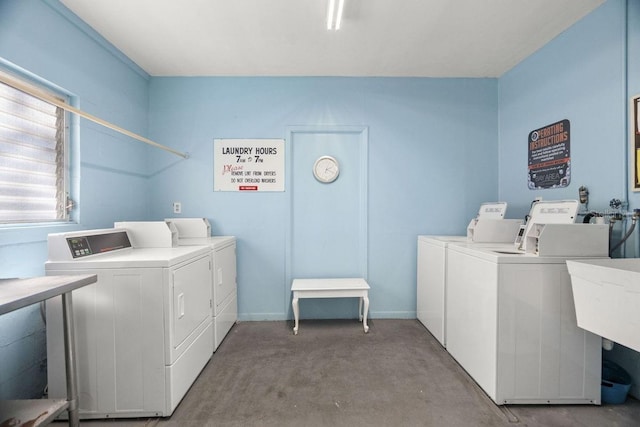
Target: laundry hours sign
{"x": 248, "y": 165}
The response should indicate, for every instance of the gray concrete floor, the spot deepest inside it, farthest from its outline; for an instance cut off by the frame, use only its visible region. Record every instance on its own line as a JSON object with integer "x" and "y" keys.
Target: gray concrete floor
{"x": 332, "y": 374}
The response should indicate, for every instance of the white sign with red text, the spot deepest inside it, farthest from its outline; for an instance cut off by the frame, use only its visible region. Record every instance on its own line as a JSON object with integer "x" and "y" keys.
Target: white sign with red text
{"x": 248, "y": 165}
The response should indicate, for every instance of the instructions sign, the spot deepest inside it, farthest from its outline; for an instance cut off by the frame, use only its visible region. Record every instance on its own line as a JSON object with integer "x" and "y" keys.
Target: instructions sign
{"x": 549, "y": 156}
{"x": 248, "y": 165}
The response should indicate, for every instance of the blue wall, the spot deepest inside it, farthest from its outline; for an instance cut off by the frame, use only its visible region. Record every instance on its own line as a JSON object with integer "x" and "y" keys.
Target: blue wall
{"x": 587, "y": 75}
{"x": 633, "y": 71}
{"x": 112, "y": 170}
{"x": 432, "y": 161}
{"x": 580, "y": 76}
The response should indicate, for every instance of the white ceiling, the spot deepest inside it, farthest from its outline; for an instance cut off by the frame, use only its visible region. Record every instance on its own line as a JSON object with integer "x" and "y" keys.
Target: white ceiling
{"x": 421, "y": 38}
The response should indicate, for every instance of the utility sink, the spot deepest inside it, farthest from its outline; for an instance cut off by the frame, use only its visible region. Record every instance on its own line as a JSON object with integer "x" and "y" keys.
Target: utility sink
{"x": 606, "y": 293}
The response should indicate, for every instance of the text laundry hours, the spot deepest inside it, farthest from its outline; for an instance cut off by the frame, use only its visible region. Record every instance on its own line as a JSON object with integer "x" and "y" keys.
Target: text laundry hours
{"x": 249, "y": 150}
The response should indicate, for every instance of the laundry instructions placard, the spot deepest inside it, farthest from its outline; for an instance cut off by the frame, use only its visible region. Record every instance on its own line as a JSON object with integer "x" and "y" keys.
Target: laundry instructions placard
{"x": 550, "y": 156}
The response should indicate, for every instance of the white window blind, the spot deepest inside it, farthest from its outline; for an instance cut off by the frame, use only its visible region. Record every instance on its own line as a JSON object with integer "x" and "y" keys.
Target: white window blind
{"x": 32, "y": 158}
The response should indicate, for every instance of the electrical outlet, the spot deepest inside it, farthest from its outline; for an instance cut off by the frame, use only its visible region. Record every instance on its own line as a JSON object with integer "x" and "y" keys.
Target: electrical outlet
{"x": 177, "y": 207}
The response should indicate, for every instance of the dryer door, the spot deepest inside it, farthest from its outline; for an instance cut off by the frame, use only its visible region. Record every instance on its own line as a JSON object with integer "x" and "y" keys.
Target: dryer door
{"x": 224, "y": 276}
{"x": 191, "y": 304}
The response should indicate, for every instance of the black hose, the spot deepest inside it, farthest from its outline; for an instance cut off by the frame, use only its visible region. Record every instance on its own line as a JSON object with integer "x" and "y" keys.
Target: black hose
{"x": 626, "y": 236}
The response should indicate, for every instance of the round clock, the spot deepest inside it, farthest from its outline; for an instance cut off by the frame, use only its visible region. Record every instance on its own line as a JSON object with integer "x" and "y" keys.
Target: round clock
{"x": 326, "y": 169}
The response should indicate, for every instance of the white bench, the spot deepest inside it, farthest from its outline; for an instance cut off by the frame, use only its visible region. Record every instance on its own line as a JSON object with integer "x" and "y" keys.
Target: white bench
{"x": 331, "y": 288}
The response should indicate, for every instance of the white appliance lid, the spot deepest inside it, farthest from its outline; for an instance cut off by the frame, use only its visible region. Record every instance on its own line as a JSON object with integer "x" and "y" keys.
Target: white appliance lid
{"x": 554, "y": 212}
{"x": 494, "y": 210}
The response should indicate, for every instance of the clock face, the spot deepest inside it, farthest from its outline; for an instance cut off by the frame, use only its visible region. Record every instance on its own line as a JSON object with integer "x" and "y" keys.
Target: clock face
{"x": 326, "y": 169}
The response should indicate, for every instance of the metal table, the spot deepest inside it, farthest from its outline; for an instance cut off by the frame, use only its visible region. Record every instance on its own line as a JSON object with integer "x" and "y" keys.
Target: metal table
{"x": 19, "y": 293}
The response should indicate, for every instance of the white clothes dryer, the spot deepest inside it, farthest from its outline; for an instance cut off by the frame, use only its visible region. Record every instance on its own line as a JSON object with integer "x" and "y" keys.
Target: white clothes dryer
{"x": 197, "y": 231}
{"x": 143, "y": 331}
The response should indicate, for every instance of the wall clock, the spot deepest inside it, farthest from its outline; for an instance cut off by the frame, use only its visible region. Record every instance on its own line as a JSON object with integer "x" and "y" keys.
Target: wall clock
{"x": 326, "y": 169}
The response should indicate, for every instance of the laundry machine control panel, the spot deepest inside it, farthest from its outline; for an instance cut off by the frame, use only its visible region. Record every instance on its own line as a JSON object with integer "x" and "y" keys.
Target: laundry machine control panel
{"x": 81, "y": 246}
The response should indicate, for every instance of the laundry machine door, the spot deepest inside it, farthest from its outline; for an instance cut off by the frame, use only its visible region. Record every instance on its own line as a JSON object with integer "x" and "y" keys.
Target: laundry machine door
{"x": 191, "y": 303}
{"x": 224, "y": 276}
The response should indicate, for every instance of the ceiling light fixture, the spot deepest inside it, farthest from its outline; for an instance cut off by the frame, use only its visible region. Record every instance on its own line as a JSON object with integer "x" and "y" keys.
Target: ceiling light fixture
{"x": 334, "y": 15}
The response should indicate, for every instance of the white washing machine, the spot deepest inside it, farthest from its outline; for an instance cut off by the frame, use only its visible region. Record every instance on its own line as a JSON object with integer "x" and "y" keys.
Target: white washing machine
{"x": 197, "y": 231}
{"x": 143, "y": 331}
{"x": 511, "y": 321}
{"x": 489, "y": 226}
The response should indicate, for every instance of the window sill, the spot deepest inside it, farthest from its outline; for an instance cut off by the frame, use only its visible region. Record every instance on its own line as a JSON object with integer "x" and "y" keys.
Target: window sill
{"x": 16, "y": 234}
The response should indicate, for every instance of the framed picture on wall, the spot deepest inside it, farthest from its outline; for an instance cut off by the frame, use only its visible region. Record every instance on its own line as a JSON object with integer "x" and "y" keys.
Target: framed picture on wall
{"x": 635, "y": 140}
{"x": 636, "y": 102}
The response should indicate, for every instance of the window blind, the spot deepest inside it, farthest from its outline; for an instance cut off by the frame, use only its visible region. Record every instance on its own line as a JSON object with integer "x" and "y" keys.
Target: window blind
{"x": 32, "y": 187}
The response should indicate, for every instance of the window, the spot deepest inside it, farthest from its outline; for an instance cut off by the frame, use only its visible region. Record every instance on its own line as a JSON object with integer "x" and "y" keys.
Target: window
{"x": 32, "y": 158}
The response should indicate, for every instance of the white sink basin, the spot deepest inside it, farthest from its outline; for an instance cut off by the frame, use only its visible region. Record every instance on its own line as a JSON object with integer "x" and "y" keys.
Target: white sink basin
{"x": 606, "y": 293}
